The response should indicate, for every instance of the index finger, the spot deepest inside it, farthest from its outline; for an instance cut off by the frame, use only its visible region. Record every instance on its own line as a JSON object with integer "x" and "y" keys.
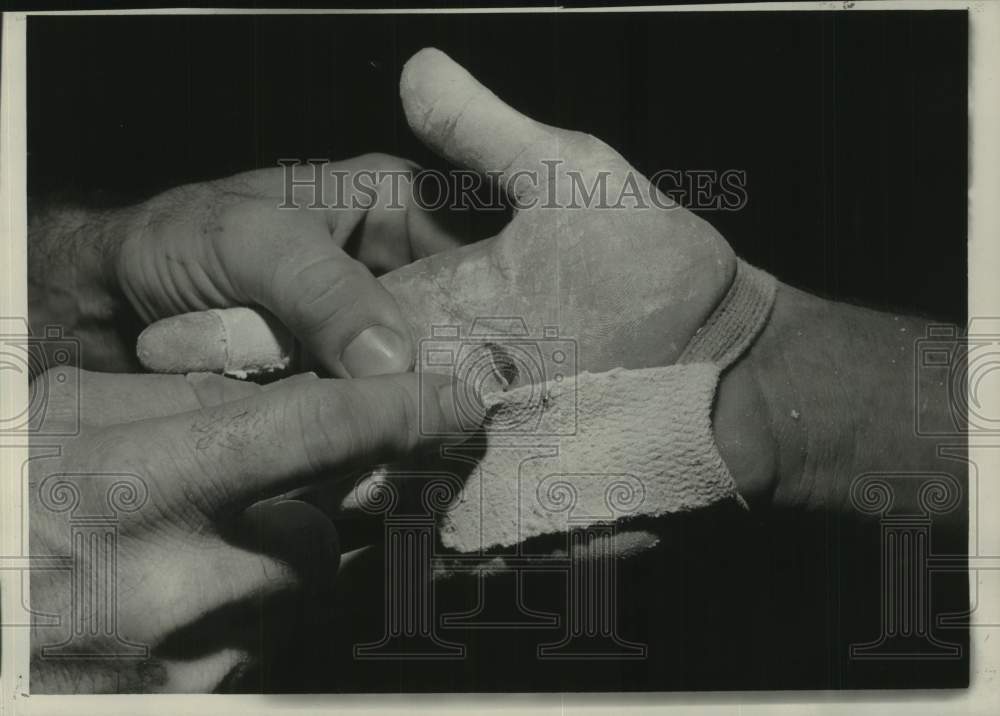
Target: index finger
{"x": 231, "y": 455}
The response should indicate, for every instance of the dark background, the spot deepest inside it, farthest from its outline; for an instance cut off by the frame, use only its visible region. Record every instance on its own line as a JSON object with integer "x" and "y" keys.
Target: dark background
{"x": 852, "y": 128}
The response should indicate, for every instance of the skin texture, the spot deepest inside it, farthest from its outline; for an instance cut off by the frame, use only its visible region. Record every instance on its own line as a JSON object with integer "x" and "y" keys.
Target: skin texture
{"x": 103, "y": 275}
{"x": 631, "y": 285}
{"x": 825, "y": 393}
{"x": 209, "y": 536}
{"x": 839, "y": 385}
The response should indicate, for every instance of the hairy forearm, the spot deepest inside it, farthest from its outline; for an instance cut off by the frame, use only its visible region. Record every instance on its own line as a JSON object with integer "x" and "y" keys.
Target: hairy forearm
{"x": 836, "y": 390}
{"x": 70, "y": 251}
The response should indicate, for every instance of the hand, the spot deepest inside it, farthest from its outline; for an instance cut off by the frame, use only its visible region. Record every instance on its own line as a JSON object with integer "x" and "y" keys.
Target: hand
{"x": 227, "y": 243}
{"x": 632, "y": 284}
{"x": 629, "y": 280}
{"x": 193, "y": 468}
{"x": 826, "y": 393}
{"x": 627, "y": 275}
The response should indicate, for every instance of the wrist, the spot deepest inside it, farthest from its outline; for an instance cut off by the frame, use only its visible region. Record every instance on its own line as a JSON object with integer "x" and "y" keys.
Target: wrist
{"x": 837, "y": 385}
{"x": 783, "y": 417}
{"x": 781, "y": 404}
{"x": 745, "y": 441}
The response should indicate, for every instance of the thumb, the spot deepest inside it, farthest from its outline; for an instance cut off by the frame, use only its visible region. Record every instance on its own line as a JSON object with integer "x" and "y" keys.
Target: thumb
{"x": 460, "y": 119}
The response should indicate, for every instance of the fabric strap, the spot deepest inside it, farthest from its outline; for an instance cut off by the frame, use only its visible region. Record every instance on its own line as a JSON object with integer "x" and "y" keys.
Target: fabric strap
{"x": 736, "y": 321}
{"x": 614, "y": 445}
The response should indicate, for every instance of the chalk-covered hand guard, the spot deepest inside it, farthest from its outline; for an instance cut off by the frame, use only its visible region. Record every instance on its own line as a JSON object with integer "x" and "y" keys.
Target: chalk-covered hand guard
{"x": 619, "y": 444}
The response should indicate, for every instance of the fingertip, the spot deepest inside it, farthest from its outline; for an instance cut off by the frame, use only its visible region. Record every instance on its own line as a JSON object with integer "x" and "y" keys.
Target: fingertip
{"x": 454, "y": 114}
{"x": 461, "y": 405}
{"x": 435, "y": 90}
{"x": 422, "y": 71}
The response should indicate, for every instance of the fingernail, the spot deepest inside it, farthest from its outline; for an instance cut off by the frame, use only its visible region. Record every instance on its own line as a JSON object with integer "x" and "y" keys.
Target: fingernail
{"x": 375, "y": 351}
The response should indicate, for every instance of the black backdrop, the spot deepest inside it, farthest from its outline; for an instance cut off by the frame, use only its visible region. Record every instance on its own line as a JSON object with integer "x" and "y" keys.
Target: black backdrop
{"x": 852, "y": 128}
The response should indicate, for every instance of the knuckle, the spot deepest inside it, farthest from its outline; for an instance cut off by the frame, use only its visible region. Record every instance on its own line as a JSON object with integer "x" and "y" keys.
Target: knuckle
{"x": 327, "y": 278}
{"x": 394, "y": 416}
{"x": 357, "y": 420}
{"x": 322, "y": 292}
{"x": 407, "y": 411}
{"x": 225, "y": 214}
{"x": 232, "y": 222}
{"x": 240, "y": 225}
{"x": 325, "y": 420}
